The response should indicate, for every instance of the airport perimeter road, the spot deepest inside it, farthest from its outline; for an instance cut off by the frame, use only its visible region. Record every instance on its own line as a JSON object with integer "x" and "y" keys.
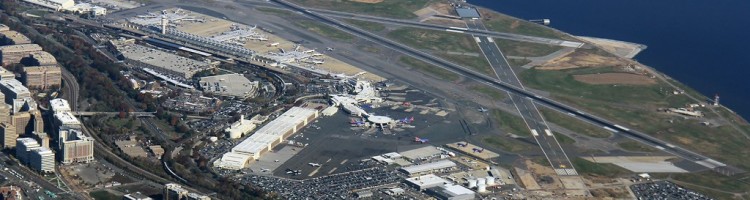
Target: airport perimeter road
{"x": 493, "y": 82}
{"x": 469, "y": 30}
{"x": 530, "y": 114}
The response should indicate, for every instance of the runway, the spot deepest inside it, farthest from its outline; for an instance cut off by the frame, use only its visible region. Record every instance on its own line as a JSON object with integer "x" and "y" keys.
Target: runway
{"x": 530, "y": 114}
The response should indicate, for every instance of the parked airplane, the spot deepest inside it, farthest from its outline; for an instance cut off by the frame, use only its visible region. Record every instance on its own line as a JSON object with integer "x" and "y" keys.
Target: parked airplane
{"x": 461, "y": 144}
{"x": 330, "y": 48}
{"x": 314, "y": 164}
{"x": 482, "y": 109}
{"x": 421, "y": 140}
{"x": 478, "y": 150}
{"x": 264, "y": 170}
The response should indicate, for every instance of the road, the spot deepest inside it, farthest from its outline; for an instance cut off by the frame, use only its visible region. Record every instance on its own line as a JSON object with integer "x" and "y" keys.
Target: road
{"x": 493, "y": 82}
{"x": 541, "y": 132}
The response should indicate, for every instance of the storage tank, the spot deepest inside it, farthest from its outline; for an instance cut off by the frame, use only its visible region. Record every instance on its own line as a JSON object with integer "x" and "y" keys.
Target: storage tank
{"x": 490, "y": 181}
{"x": 481, "y": 187}
{"x": 472, "y": 183}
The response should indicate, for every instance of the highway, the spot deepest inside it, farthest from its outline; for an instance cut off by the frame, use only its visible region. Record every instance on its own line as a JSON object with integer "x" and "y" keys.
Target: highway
{"x": 469, "y": 30}
{"x": 493, "y": 82}
{"x": 530, "y": 114}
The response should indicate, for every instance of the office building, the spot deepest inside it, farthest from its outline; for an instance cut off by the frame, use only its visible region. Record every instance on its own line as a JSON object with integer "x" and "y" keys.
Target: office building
{"x": 24, "y": 146}
{"x": 42, "y": 77}
{"x": 15, "y": 37}
{"x": 59, "y": 105}
{"x": 75, "y": 147}
{"x": 42, "y": 159}
{"x": 9, "y": 135}
{"x": 14, "y": 53}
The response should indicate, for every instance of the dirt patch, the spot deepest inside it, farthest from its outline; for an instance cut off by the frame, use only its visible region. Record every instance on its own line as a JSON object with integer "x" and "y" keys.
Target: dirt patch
{"x": 368, "y": 1}
{"x": 615, "y": 78}
{"x": 579, "y": 59}
{"x": 443, "y": 8}
{"x": 545, "y": 176}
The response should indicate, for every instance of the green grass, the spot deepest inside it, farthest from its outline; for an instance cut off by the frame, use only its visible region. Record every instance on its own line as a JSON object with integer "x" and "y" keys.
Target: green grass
{"x": 503, "y": 23}
{"x": 366, "y": 25}
{"x": 563, "y": 139}
{"x": 632, "y": 145}
{"x": 510, "y": 123}
{"x": 493, "y": 93}
{"x": 401, "y": 9}
{"x": 430, "y": 69}
{"x": 562, "y": 82}
{"x": 518, "y": 62}
{"x": 478, "y": 64}
{"x": 104, "y": 195}
{"x": 586, "y": 167}
{"x": 275, "y": 11}
{"x": 437, "y": 41}
{"x": 710, "y": 179}
{"x": 324, "y": 30}
{"x": 507, "y": 144}
{"x": 574, "y": 124}
{"x": 525, "y": 49}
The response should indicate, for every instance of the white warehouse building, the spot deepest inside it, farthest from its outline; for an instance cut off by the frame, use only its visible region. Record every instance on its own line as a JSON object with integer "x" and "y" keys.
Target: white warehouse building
{"x": 265, "y": 138}
{"x": 57, "y": 5}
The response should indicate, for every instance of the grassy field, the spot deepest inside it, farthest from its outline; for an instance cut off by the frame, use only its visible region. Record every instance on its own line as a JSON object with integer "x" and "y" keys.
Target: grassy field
{"x": 503, "y": 23}
{"x": 586, "y": 167}
{"x": 562, "y": 82}
{"x": 563, "y": 139}
{"x": 478, "y": 64}
{"x": 507, "y": 144}
{"x": 709, "y": 179}
{"x": 525, "y": 49}
{"x": 510, "y": 123}
{"x": 324, "y": 30}
{"x": 366, "y": 25}
{"x": 436, "y": 41}
{"x": 401, "y": 9}
{"x": 635, "y": 107}
{"x": 573, "y": 124}
{"x": 275, "y": 11}
{"x": 518, "y": 62}
{"x": 632, "y": 145}
{"x": 430, "y": 69}
{"x": 493, "y": 93}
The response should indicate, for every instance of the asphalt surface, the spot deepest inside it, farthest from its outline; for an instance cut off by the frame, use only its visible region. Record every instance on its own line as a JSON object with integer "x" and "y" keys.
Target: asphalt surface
{"x": 525, "y": 106}
{"x": 492, "y": 82}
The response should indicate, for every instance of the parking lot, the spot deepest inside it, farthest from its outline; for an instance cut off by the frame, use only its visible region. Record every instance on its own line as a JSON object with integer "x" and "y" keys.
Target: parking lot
{"x": 664, "y": 190}
{"x": 338, "y": 186}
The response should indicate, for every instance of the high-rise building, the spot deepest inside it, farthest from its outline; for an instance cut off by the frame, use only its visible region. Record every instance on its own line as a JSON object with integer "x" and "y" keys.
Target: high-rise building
{"x": 20, "y": 121}
{"x": 42, "y": 159}
{"x": 24, "y": 146}
{"x": 59, "y": 105}
{"x": 9, "y": 135}
{"x": 75, "y": 146}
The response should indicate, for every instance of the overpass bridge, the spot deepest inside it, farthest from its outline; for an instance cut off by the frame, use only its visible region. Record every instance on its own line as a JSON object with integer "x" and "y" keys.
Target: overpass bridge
{"x": 135, "y": 114}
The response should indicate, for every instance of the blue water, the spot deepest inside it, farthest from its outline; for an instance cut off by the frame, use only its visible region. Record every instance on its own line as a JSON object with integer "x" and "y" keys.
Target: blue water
{"x": 702, "y": 43}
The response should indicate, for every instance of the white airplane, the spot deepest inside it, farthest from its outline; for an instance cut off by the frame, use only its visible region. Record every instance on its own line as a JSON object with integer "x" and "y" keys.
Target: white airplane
{"x": 482, "y": 109}
{"x": 264, "y": 170}
{"x": 314, "y": 164}
{"x": 275, "y": 160}
{"x": 330, "y": 48}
